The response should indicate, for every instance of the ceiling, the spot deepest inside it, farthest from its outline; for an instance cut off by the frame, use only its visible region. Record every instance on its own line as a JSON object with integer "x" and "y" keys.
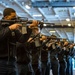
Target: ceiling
{"x": 54, "y": 12}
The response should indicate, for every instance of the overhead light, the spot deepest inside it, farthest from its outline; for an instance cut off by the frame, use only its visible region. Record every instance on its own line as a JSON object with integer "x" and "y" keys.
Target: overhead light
{"x": 42, "y": 21}
{"x": 44, "y": 25}
{"x": 68, "y": 19}
{"x": 27, "y": 6}
{"x": 52, "y": 31}
{"x": 73, "y": 7}
{"x": 7, "y": 6}
{"x": 69, "y": 24}
{"x": 39, "y": 15}
{"x": 56, "y": 15}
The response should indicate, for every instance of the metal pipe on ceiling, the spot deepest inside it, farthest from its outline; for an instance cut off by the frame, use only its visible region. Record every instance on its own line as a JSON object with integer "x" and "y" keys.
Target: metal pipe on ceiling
{"x": 53, "y": 4}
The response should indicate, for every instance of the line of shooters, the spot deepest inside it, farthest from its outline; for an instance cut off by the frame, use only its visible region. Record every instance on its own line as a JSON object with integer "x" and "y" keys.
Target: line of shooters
{"x": 41, "y": 53}
{"x": 36, "y": 56}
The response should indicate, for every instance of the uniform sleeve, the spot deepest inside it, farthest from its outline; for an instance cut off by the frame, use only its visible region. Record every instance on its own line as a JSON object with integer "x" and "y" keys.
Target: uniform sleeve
{"x": 4, "y": 32}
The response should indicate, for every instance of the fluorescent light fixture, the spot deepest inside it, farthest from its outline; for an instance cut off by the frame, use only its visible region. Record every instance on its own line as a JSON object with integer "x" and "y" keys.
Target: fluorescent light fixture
{"x": 69, "y": 24}
{"x": 7, "y": 5}
{"x": 27, "y": 6}
{"x": 44, "y": 24}
{"x": 39, "y": 15}
{"x": 73, "y": 7}
{"x": 68, "y": 19}
{"x": 56, "y": 15}
{"x": 52, "y": 31}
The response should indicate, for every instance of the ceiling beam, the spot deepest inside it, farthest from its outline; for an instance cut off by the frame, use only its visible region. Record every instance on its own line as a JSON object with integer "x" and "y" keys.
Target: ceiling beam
{"x": 66, "y": 35}
{"x": 62, "y": 34}
{"x": 53, "y": 4}
{"x": 3, "y": 4}
{"x": 42, "y": 13}
{"x": 70, "y": 16}
{"x": 58, "y": 32}
{"x": 40, "y": 10}
{"x": 45, "y": 32}
{"x": 60, "y": 22}
{"x": 23, "y": 8}
{"x": 58, "y": 17}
